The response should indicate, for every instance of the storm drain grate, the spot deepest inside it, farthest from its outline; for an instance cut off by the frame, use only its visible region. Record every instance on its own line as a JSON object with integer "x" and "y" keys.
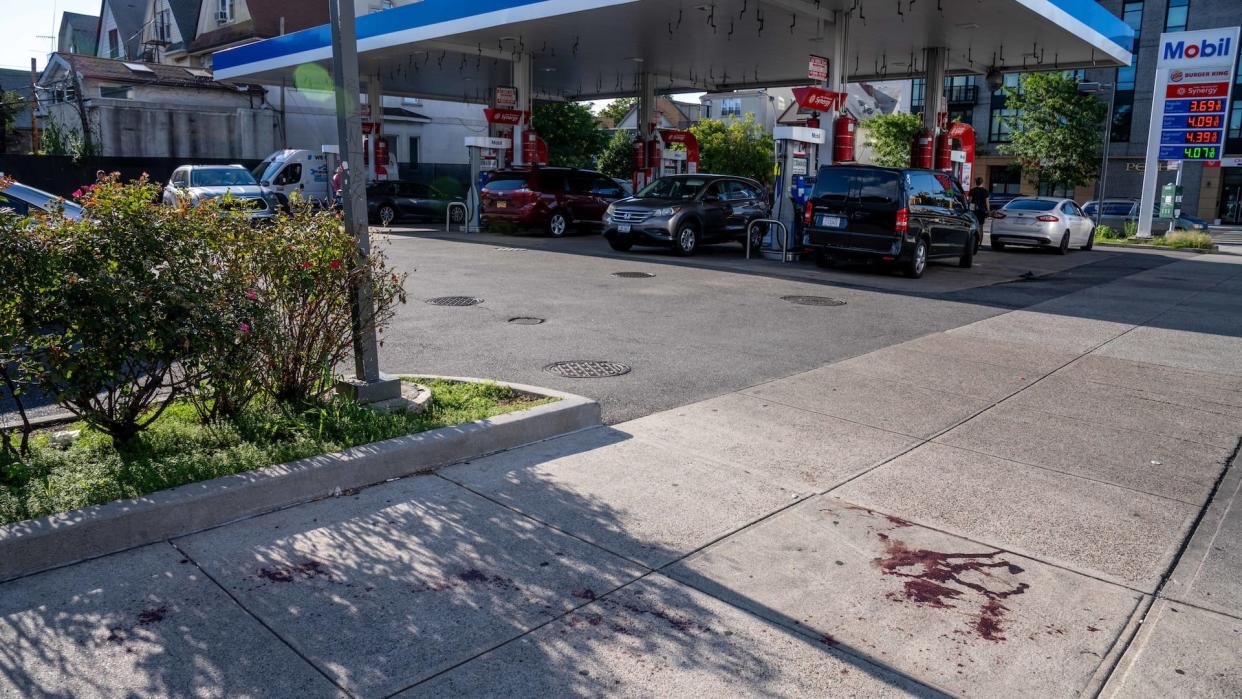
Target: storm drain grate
{"x": 511, "y": 249}
{"x": 455, "y": 301}
{"x": 813, "y": 301}
{"x": 523, "y": 320}
{"x": 633, "y": 275}
{"x": 587, "y": 369}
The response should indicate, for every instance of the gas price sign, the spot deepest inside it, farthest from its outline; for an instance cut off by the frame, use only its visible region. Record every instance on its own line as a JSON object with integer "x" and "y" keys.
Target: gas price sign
{"x": 1196, "y": 80}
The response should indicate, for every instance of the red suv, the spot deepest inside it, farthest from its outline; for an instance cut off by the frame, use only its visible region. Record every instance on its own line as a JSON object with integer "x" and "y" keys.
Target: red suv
{"x": 551, "y": 198}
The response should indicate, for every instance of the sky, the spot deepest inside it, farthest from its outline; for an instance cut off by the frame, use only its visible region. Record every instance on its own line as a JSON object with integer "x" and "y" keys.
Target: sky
{"x": 28, "y": 24}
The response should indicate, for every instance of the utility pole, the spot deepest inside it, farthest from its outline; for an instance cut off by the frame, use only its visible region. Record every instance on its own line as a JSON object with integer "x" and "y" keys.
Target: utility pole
{"x": 34, "y": 106}
{"x": 368, "y": 385}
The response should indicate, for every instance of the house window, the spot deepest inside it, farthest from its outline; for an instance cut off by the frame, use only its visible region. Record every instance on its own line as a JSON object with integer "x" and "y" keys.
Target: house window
{"x": 998, "y": 129}
{"x": 114, "y": 44}
{"x": 163, "y": 25}
{"x": 1006, "y": 180}
{"x": 116, "y": 92}
{"x": 1175, "y": 16}
{"x": 1059, "y": 191}
{"x": 1123, "y": 117}
{"x": 225, "y": 13}
{"x": 730, "y": 107}
{"x": 918, "y": 94}
{"x": 414, "y": 150}
{"x": 1132, "y": 14}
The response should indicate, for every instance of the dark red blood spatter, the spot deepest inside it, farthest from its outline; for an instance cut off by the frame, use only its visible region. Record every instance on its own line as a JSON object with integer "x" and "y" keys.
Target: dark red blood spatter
{"x": 936, "y": 579}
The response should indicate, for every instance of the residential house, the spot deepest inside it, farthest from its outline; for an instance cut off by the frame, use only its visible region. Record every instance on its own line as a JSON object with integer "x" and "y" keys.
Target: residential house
{"x": 670, "y": 114}
{"x": 78, "y": 34}
{"x": 120, "y": 29}
{"x": 168, "y": 27}
{"x": 765, "y": 104}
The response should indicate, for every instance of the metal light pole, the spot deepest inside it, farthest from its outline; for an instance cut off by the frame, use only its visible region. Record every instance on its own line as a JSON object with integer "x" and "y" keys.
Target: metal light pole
{"x": 1092, "y": 89}
{"x": 368, "y": 385}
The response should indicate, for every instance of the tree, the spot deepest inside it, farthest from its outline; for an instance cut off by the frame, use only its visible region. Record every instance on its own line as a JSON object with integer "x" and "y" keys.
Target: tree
{"x": 891, "y": 137}
{"x": 617, "y": 109}
{"x": 571, "y": 133}
{"x": 10, "y": 106}
{"x": 1056, "y": 131}
{"x": 735, "y": 147}
{"x": 617, "y": 159}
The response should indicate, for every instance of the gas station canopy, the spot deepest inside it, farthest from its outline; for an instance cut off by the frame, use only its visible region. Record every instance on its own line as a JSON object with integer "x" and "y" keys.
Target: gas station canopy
{"x": 594, "y": 49}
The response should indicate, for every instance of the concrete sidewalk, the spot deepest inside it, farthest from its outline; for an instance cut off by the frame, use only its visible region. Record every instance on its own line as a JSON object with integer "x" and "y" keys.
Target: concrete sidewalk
{"x": 1037, "y": 504}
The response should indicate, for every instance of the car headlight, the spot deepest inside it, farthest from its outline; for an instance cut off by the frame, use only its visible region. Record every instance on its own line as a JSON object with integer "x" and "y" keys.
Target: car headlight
{"x": 666, "y": 211}
{"x": 611, "y": 208}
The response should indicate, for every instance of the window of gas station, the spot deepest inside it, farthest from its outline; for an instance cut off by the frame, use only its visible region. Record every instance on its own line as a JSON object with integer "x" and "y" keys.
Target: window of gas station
{"x": 1006, "y": 179}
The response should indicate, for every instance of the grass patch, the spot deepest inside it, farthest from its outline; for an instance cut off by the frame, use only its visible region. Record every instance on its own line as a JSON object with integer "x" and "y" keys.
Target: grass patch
{"x": 1177, "y": 240}
{"x": 179, "y": 449}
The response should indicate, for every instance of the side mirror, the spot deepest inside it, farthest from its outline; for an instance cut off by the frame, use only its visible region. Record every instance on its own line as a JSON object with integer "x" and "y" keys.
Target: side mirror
{"x": 265, "y": 183}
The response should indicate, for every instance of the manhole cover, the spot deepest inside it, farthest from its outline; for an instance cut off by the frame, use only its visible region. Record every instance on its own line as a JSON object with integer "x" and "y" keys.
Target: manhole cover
{"x": 633, "y": 275}
{"x": 526, "y": 321}
{"x": 455, "y": 301}
{"x": 813, "y": 301}
{"x": 587, "y": 369}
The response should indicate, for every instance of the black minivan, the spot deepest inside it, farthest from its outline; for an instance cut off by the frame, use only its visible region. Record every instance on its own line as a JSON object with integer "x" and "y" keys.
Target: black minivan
{"x": 895, "y": 215}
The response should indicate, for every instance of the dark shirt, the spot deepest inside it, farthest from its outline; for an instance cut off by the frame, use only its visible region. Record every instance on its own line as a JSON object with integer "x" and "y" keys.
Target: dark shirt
{"x": 979, "y": 198}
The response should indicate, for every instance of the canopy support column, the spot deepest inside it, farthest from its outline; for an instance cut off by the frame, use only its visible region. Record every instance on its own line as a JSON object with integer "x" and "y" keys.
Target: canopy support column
{"x": 936, "y": 63}
{"x": 524, "y": 83}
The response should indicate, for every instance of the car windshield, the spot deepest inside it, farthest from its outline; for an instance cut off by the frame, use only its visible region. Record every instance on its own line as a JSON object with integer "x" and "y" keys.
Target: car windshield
{"x": 507, "y": 181}
{"x": 1116, "y": 208}
{"x": 1031, "y": 205}
{"x": 261, "y": 172}
{"x": 674, "y": 188}
{"x": 220, "y": 177}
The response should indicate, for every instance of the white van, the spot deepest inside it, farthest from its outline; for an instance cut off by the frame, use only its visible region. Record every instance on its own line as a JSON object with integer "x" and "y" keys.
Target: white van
{"x": 303, "y": 171}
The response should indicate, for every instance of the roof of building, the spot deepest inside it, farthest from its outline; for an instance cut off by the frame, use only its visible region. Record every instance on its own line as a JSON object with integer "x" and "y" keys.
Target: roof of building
{"x": 671, "y": 110}
{"x": 78, "y": 32}
{"x": 129, "y": 16}
{"x": 265, "y": 22}
{"x": 134, "y": 73}
{"x": 16, "y": 80}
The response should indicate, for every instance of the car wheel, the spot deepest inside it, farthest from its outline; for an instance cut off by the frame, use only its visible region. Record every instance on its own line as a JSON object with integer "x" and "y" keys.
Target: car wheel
{"x": 687, "y": 241}
{"x": 386, "y": 215}
{"x": 621, "y": 245}
{"x": 558, "y": 225}
{"x": 457, "y": 215}
{"x": 978, "y": 242}
{"x": 1063, "y": 248}
{"x": 823, "y": 260}
{"x": 967, "y": 260}
{"x": 918, "y": 261}
{"x": 755, "y": 239}
{"x": 1090, "y": 241}
{"x": 997, "y": 246}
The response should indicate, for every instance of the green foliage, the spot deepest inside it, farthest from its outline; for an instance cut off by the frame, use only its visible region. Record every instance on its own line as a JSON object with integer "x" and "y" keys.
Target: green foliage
{"x": 618, "y": 109}
{"x": 1103, "y": 232}
{"x": 734, "y": 147}
{"x": 570, "y": 131}
{"x": 1131, "y": 229}
{"x": 891, "y": 137}
{"x": 617, "y": 158}
{"x": 1186, "y": 239}
{"x": 56, "y": 139}
{"x": 1057, "y": 133}
{"x": 179, "y": 448}
{"x": 10, "y": 104}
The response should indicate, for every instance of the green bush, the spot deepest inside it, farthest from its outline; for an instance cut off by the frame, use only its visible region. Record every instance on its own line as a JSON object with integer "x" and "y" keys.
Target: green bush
{"x": 1131, "y": 229}
{"x": 1108, "y": 233}
{"x": 1186, "y": 239}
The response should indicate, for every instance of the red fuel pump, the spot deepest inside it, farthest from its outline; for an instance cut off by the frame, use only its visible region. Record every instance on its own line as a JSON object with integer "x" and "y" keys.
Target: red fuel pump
{"x": 844, "y": 137}
{"x": 922, "y": 155}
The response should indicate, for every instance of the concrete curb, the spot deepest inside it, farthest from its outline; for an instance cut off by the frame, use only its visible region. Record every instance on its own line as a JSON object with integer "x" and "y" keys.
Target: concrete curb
{"x": 49, "y": 542}
{"x": 1140, "y": 246}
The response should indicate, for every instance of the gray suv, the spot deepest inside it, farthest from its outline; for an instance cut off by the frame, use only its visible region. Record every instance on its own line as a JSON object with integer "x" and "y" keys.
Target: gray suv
{"x": 683, "y": 212}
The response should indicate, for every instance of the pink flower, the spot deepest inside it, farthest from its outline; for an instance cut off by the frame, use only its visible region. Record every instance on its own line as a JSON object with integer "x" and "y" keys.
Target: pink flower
{"x": 245, "y": 327}
{"x": 335, "y": 264}
{"x": 252, "y": 295}
{"x": 77, "y": 194}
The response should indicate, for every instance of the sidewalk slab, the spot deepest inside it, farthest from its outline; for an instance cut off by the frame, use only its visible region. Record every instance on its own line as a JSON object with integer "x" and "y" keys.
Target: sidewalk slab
{"x": 1148, "y": 463}
{"x": 963, "y": 375}
{"x": 1181, "y": 651}
{"x": 1208, "y": 352}
{"x": 1058, "y": 332}
{"x": 963, "y": 617}
{"x": 1193, "y": 389}
{"x": 657, "y": 638}
{"x": 1209, "y": 573}
{"x": 637, "y": 499}
{"x": 1038, "y": 360}
{"x": 1114, "y": 533}
{"x": 888, "y": 405}
{"x": 142, "y": 623}
{"x": 388, "y": 587}
{"x": 795, "y": 448}
{"x": 1127, "y": 409}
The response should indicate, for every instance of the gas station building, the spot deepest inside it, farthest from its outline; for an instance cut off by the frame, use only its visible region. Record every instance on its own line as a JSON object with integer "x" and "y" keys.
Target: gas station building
{"x": 560, "y": 50}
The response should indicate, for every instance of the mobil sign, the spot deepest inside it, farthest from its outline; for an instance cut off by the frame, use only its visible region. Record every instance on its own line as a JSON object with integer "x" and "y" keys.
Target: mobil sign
{"x": 1209, "y": 47}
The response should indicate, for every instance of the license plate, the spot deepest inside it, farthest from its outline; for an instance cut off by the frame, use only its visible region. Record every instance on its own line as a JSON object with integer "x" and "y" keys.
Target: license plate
{"x": 502, "y": 205}
{"x": 623, "y": 228}
{"x": 831, "y": 222}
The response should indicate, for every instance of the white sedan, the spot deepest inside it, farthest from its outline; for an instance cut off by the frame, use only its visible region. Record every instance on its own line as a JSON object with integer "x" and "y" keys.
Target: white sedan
{"x": 1042, "y": 222}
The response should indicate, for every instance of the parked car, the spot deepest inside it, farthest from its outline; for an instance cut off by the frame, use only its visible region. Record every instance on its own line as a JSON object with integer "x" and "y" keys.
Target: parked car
{"x": 199, "y": 183}
{"x": 683, "y": 212}
{"x": 554, "y": 199}
{"x": 389, "y": 202}
{"x": 304, "y": 172}
{"x": 24, "y": 201}
{"x": 1118, "y": 212}
{"x": 896, "y": 216}
{"x": 1047, "y": 222}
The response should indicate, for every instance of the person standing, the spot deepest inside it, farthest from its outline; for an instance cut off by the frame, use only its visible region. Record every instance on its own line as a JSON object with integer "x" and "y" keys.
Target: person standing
{"x": 980, "y": 200}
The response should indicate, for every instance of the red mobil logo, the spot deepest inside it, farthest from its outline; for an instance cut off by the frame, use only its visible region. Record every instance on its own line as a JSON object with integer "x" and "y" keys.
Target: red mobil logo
{"x": 1195, "y": 91}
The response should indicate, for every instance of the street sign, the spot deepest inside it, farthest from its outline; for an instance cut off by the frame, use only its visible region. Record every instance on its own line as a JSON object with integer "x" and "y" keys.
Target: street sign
{"x": 818, "y": 68}
{"x": 506, "y": 97}
{"x": 1190, "y": 104}
{"x": 1170, "y": 201}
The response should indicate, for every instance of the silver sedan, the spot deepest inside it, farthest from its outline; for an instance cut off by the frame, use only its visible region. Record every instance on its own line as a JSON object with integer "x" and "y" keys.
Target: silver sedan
{"x": 1042, "y": 222}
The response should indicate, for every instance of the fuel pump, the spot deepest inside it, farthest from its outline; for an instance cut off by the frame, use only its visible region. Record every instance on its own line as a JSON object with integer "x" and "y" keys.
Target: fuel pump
{"x": 956, "y": 153}
{"x": 797, "y": 147}
{"x": 677, "y": 161}
{"x": 485, "y": 156}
